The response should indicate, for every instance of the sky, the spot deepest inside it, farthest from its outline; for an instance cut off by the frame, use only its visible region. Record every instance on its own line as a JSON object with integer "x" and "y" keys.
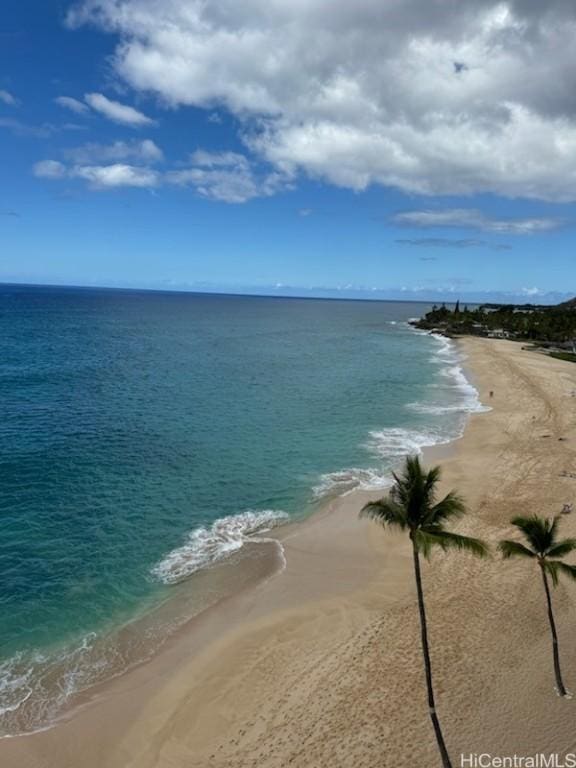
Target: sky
{"x": 420, "y": 149}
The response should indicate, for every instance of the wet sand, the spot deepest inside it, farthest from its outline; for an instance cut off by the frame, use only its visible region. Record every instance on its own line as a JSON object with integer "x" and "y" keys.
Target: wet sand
{"x": 320, "y": 666}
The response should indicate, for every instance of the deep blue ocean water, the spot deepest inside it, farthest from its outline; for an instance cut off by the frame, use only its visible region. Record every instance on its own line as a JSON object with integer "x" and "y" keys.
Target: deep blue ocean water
{"x": 144, "y": 435}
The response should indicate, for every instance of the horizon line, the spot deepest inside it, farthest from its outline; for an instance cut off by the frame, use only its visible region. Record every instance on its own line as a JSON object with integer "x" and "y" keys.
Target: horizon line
{"x": 488, "y": 296}
{"x": 196, "y": 292}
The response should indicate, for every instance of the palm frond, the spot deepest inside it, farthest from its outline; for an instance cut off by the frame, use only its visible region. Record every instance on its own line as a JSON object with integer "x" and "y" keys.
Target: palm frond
{"x": 411, "y": 505}
{"x": 515, "y": 549}
{"x": 553, "y": 530}
{"x": 551, "y": 567}
{"x": 387, "y": 512}
{"x": 563, "y": 569}
{"x": 450, "y": 507}
{"x": 422, "y": 491}
{"x": 563, "y": 548}
{"x": 540, "y": 532}
{"x": 449, "y": 540}
{"x": 424, "y": 543}
{"x": 431, "y": 479}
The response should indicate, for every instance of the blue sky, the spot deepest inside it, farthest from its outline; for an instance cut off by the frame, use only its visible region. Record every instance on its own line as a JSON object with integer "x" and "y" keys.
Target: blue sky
{"x": 292, "y": 147}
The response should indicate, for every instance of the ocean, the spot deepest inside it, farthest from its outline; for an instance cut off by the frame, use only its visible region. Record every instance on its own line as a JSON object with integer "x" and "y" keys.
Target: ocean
{"x": 150, "y": 440}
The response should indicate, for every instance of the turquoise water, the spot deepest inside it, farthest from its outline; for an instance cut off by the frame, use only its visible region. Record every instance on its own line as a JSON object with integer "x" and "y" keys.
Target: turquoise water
{"x": 144, "y": 436}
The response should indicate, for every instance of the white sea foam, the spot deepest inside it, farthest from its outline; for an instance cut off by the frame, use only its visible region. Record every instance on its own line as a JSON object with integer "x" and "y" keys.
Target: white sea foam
{"x": 205, "y": 546}
{"x": 346, "y": 480}
{"x": 34, "y": 687}
{"x": 15, "y": 686}
{"x": 396, "y": 442}
{"x": 391, "y": 444}
{"x": 451, "y": 360}
{"x": 438, "y": 410}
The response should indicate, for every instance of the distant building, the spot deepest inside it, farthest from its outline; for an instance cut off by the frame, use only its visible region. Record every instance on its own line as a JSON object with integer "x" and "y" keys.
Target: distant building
{"x": 500, "y": 333}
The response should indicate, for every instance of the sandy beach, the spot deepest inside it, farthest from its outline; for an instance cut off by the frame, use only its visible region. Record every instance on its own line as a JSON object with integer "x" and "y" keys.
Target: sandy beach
{"x": 320, "y": 666}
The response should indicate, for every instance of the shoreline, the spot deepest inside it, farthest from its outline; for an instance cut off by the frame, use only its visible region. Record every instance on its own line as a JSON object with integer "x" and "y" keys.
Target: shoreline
{"x": 285, "y": 671}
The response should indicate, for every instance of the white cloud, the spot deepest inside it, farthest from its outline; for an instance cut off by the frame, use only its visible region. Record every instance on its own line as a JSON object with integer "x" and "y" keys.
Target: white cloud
{"x": 451, "y": 98}
{"x": 224, "y": 176}
{"x": 7, "y": 98}
{"x": 532, "y": 291}
{"x": 116, "y": 175}
{"x": 49, "y": 169}
{"x": 219, "y": 159}
{"x": 99, "y": 176}
{"x": 72, "y": 104}
{"x": 470, "y": 218}
{"x": 119, "y": 113}
{"x": 145, "y": 151}
{"x": 228, "y": 177}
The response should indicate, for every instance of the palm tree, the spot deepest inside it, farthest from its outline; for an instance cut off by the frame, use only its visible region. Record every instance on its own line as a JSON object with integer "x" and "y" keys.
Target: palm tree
{"x": 546, "y": 550}
{"x": 412, "y": 506}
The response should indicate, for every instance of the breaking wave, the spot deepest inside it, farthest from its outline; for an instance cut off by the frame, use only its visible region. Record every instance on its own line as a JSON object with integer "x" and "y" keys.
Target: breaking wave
{"x": 208, "y": 545}
{"x": 346, "y": 480}
{"x": 451, "y": 395}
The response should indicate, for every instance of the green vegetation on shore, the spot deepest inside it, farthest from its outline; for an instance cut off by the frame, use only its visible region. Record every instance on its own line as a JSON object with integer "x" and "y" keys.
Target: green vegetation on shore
{"x": 568, "y": 356}
{"x": 547, "y": 326}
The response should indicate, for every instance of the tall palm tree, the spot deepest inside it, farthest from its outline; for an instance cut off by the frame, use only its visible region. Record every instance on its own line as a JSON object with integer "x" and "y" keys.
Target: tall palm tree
{"x": 545, "y": 548}
{"x": 411, "y": 506}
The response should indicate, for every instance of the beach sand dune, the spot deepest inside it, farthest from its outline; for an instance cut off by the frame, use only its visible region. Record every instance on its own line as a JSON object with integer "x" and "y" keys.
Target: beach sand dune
{"x": 320, "y": 667}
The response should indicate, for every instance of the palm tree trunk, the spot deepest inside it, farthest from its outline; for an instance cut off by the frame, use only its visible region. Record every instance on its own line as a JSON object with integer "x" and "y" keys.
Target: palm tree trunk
{"x": 427, "y": 664}
{"x": 559, "y": 683}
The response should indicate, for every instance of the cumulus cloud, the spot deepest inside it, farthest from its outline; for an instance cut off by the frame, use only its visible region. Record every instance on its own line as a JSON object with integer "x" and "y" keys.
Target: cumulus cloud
{"x": 228, "y": 177}
{"x": 72, "y": 104}
{"x": 431, "y": 98}
{"x": 117, "y": 112}
{"x": 470, "y": 218}
{"x": 7, "y": 98}
{"x": 145, "y": 151}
